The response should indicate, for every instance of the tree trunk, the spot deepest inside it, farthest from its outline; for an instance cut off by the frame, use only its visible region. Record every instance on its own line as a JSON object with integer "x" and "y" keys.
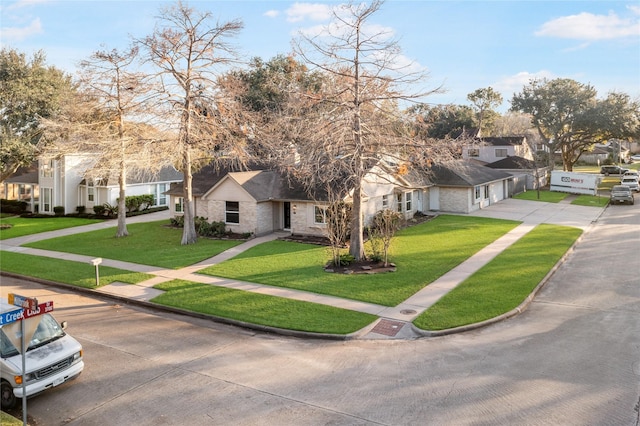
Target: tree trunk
{"x": 189, "y": 235}
{"x": 122, "y": 206}
{"x": 356, "y": 240}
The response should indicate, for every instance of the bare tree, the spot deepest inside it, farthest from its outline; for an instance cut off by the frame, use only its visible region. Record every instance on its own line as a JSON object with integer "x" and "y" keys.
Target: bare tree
{"x": 385, "y": 225}
{"x": 353, "y": 121}
{"x": 105, "y": 121}
{"x": 189, "y": 52}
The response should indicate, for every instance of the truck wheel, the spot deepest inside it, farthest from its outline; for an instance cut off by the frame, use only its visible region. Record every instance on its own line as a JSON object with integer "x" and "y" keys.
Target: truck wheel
{"x": 8, "y": 397}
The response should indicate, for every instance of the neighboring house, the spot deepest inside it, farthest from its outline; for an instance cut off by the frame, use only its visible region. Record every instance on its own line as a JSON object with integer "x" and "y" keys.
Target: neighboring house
{"x": 465, "y": 186}
{"x": 60, "y": 182}
{"x": 261, "y": 201}
{"x": 598, "y": 155}
{"x": 526, "y": 173}
{"x": 491, "y": 149}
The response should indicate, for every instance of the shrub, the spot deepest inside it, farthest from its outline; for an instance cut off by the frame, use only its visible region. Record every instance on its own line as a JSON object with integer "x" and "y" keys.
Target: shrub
{"x": 13, "y": 206}
{"x": 80, "y": 209}
{"x": 346, "y": 259}
{"x": 58, "y": 210}
{"x": 99, "y": 210}
{"x": 134, "y": 203}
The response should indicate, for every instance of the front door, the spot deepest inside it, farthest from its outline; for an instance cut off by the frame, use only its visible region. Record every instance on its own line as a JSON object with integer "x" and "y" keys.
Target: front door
{"x": 286, "y": 215}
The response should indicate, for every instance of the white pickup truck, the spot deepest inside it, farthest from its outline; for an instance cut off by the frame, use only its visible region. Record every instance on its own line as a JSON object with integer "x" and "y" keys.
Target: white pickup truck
{"x": 52, "y": 357}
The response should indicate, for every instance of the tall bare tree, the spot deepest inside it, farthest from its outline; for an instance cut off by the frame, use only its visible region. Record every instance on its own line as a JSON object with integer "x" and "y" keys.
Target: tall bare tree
{"x": 106, "y": 121}
{"x": 189, "y": 53}
{"x": 354, "y": 120}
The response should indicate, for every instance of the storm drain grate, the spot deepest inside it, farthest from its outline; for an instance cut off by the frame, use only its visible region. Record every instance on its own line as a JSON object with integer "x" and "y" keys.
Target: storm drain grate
{"x": 387, "y": 327}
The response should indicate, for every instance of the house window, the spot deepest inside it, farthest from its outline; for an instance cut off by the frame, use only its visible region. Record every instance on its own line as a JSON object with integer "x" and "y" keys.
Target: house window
{"x": 408, "y": 199}
{"x": 477, "y": 192}
{"x": 47, "y": 169}
{"x": 399, "y": 202}
{"x": 161, "y": 199}
{"x": 473, "y": 152}
{"x": 320, "y": 214}
{"x": 90, "y": 192}
{"x": 501, "y": 152}
{"x": 46, "y": 200}
{"x": 385, "y": 201}
{"x": 179, "y": 205}
{"x": 232, "y": 212}
{"x": 486, "y": 192}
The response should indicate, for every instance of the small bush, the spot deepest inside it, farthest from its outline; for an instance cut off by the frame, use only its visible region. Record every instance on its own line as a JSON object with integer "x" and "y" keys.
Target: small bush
{"x": 58, "y": 210}
{"x": 80, "y": 209}
{"x": 99, "y": 210}
{"x": 346, "y": 259}
{"x": 13, "y": 206}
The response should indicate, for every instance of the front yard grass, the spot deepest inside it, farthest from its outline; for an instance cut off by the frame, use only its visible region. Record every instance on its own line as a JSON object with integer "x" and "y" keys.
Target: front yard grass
{"x": 149, "y": 243}
{"x": 21, "y": 226}
{"x": 261, "y": 309}
{"x": 422, "y": 253}
{"x": 65, "y": 271}
{"x": 545, "y": 195}
{"x": 591, "y": 200}
{"x": 503, "y": 283}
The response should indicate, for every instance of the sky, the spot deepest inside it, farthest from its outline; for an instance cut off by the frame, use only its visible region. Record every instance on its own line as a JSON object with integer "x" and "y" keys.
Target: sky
{"x": 463, "y": 45}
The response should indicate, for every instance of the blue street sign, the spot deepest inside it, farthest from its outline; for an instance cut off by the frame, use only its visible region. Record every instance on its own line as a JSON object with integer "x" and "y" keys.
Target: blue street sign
{"x": 11, "y": 316}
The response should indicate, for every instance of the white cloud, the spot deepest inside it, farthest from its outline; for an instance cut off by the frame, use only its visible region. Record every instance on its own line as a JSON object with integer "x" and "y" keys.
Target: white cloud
{"x": 515, "y": 83}
{"x": 24, "y": 3}
{"x": 308, "y": 11}
{"x": 587, "y": 26}
{"x": 20, "y": 33}
{"x": 272, "y": 13}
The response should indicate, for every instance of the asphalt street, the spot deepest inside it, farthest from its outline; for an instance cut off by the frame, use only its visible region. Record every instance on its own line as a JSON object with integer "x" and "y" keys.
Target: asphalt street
{"x": 573, "y": 358}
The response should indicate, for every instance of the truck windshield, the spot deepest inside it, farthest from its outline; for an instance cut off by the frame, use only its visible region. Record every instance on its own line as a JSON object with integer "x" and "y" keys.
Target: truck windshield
{"x": 48, "y": 330}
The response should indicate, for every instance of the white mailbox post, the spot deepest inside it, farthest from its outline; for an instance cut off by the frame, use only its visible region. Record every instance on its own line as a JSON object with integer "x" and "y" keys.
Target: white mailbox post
{"x": 96, "y": 262}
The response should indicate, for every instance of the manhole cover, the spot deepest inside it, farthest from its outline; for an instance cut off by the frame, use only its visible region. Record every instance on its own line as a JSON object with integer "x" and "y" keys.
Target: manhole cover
{"x": 388, "y": 328}
{"x": 408, "y": 312}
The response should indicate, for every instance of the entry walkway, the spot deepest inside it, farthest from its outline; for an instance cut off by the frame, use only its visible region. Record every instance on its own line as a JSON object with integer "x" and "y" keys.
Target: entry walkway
{"x": 395, "y": 322}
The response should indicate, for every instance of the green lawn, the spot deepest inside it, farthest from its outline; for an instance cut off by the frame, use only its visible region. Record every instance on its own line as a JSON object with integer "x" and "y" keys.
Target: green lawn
{"x": 591, "y": 200}
{"x": 65, "y": 271}
{"x": 503, "y": 283}
{"x": 545, "y": 195}
{"x": 25, "y": 226}
{"x": 422, "y": 253}
{"x": 150, "y": 243}
{"x": 261, "y": 309}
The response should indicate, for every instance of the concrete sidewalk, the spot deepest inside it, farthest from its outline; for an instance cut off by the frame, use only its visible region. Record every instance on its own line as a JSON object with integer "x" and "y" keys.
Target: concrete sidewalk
{"x": 394, "y": 322}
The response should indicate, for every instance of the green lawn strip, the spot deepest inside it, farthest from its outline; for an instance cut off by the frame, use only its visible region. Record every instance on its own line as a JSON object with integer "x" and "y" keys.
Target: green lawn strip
{"x": 8, "y": 420}
{"x": 261, "y": 309}
{"x": 65, "y": 271}
{"x": 591, "y": 201}
{"x": 422, "y": 253}
{"x": 150, "y": 243}
{"x": 546, "y": 196}
{"x": 503, "y": 283}
{"x": 21, "y": 226}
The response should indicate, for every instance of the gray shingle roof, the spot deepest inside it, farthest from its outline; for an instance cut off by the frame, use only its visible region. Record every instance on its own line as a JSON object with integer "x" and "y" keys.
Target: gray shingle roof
{"x": 464, "y": 174}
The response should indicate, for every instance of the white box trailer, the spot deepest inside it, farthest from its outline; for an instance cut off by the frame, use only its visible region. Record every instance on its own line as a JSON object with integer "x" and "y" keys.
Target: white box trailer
{"x": 575, "y": 183}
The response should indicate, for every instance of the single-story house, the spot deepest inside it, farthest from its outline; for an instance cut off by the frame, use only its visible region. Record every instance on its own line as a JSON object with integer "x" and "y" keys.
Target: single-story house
{"x": 465, "y": 186}
{"x": 526, "y": 173}
{"x": 263, "y": 200}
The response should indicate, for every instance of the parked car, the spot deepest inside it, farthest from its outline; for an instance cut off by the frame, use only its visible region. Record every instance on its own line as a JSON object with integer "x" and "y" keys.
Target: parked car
{"x": 621, "y": 194}
{"x": 613, "y": 170}
{"x": 52, "y": 357}
{"x": 631, "y": 182}
{"x": 635, "y": 157}
{"x": 633, "y": 173}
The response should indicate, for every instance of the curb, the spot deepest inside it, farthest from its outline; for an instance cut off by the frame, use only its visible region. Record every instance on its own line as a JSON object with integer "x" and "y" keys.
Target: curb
{"x": 178, "y": 311}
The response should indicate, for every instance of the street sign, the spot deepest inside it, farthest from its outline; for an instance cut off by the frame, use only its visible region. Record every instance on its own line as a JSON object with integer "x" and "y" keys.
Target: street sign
{"x": 11, "y": 316}
{"x": 23, "y": 302}
{"x": 42, "y": 308}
